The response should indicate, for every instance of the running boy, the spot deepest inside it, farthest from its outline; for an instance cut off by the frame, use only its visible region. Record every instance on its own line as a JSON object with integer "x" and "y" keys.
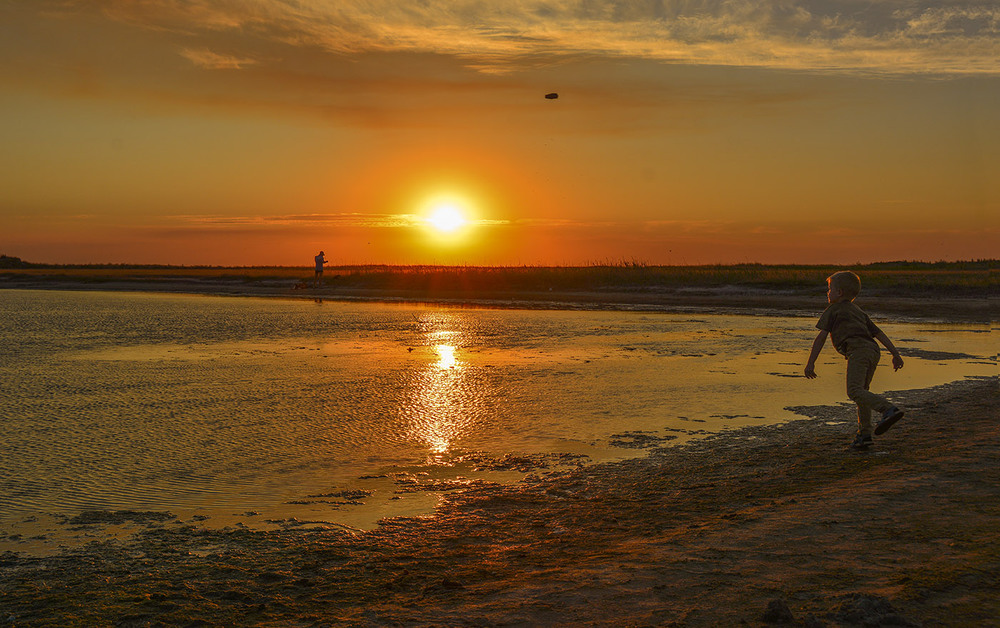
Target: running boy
{"x": 854, "y": 336}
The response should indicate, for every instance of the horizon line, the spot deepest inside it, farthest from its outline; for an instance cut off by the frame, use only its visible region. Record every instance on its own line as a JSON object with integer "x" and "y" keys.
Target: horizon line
{"x": 625, "y": 263}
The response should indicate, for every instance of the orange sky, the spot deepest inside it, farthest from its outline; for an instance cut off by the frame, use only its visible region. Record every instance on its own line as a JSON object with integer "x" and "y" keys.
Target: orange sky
{"x": 243, "y": 133}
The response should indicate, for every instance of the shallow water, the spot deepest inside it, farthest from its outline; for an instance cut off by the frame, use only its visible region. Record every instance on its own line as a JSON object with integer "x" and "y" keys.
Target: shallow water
{"x": 218, "y": 405}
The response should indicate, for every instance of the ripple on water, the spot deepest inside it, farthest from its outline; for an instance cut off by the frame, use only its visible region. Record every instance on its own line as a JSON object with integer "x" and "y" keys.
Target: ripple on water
{"x": 118, "y": 401}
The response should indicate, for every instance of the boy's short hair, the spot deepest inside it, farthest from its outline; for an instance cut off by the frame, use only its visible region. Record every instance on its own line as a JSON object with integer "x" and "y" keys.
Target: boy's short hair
{"x": 847, "y": 282}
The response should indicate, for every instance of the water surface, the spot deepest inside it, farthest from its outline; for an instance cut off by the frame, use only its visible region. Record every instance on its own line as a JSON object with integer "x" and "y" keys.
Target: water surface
{"x": 219, "y": 405}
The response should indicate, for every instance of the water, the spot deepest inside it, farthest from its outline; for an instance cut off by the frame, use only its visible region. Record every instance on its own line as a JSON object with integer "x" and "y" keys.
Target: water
{"x": 219, "y": 405}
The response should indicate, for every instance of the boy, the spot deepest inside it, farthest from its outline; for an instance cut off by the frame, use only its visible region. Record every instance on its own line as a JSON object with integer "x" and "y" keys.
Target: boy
{"x": 854, "y": 336}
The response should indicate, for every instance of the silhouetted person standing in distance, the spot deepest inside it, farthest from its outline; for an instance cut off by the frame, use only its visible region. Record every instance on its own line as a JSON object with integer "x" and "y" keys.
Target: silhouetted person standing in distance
{"x": 320, "y": 260}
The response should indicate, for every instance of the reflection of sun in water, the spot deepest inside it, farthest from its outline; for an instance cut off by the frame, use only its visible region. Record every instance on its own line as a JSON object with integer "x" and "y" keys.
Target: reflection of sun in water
{"x": 445, "y": 391}
{"x": 438, "y": 400}
{"x": 446, "y": 356}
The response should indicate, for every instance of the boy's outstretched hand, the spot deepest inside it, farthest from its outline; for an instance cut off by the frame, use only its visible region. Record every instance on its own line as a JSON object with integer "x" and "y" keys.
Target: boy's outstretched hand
{"x": 810, "y": 371}
{"x": 897, "y": 362}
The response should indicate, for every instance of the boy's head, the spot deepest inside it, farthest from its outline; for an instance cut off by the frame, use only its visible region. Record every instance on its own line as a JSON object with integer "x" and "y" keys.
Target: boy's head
{"x": 844, "y": 286}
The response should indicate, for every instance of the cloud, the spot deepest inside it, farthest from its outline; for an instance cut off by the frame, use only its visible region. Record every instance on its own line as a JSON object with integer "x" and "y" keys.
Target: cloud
{"x": 214, "y": 61}
{"x": 343, "y": 220}
{"x": 395, "y": 65}
{"x": 952, "y": 21}
{"x": 918, "y": 37}
{"x": 691, "y": 226}
{"x": 300, "y": 220}
{"x": 190, "y": 15}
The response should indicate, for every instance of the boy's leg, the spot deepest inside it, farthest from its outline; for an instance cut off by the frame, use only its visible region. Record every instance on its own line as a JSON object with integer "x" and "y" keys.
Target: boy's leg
{"x": 864, "y": 420}
{"x": 861, "y": 363}
{"x": 865, "y": 411}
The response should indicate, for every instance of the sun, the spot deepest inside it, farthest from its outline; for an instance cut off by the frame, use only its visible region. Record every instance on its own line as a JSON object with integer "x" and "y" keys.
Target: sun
{"x": 446, "y": 218}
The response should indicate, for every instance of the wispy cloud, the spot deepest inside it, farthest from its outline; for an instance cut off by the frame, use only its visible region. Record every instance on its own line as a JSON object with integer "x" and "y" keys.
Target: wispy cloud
{"x": 378, "y": 221}
{"x": 852, "y": 36}
{"x": 300, "y": 220}
{"x": 215, "y": 61}
{"x": 690, "y": 226}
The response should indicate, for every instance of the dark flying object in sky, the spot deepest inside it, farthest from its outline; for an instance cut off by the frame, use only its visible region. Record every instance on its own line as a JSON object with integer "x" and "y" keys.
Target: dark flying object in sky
{"x": 552, "y": 96}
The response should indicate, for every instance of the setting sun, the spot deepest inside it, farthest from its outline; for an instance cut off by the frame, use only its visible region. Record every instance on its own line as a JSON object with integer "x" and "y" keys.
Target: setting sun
{"x": 449, "y": 226}
{"x": 446, "y": 218}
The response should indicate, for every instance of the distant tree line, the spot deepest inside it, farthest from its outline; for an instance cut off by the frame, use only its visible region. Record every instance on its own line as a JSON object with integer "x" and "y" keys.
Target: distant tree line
{"x": 7, "y": 261}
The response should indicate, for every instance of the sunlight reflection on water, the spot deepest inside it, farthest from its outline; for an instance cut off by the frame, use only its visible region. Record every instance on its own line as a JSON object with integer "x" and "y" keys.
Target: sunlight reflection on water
{"x": 139, "y": 401}
{"x": 437, "y": 407}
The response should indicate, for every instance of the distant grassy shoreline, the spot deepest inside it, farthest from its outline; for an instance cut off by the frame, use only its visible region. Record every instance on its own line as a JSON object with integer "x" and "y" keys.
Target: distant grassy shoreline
{"x": 941, "y": 290}
{"x": 961, "y": 276}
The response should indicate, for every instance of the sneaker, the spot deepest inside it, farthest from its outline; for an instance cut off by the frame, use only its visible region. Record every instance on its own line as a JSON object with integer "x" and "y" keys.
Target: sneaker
{"x": 889, "y": 418}
{"x": 862, "y": 441}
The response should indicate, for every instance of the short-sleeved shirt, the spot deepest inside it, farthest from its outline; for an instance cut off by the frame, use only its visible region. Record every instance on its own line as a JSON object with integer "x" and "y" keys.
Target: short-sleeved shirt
{"x": 845, "y": 322}
{"x": 320, "y": 260}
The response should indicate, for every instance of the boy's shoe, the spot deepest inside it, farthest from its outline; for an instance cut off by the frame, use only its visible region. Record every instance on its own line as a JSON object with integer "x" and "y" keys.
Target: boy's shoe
{"x": 889, "y": 418}
{"x": 862, "y": 441}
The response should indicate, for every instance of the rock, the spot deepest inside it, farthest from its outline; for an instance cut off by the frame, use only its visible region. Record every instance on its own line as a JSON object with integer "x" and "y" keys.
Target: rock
{"x": 778, "y": 613}
{"x": 871, "y": 610}
{"x": 811, "y": 621}
{"x": 445, "y": 584}
{"x": 551, "y": 96}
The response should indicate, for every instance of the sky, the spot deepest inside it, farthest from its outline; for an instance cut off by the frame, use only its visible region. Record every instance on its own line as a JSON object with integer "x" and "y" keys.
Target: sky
{"x": 259, "y": 132}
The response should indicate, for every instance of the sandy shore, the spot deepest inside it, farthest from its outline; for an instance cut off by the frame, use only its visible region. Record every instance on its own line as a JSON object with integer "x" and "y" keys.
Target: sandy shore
{"x": 744, "y": 528}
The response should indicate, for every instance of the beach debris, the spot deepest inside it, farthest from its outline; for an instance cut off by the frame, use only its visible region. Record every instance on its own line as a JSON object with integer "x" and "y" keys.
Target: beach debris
{"x": 524, "y": 462}
{"x": 863, "y": 609}
{"x": 551, "y": 96}
{"x": 348, "y": 494}
{"x": 811, "y": 621}
{"x": 407, "y": 483}
{"x": 352, "y": 498}
{"x": 445, "y": 584}
{"x": 90, "y": 517}
{"x": 778, "y": 613}
{"x": 730, "y": 417}
{"x": 638, "y": 439}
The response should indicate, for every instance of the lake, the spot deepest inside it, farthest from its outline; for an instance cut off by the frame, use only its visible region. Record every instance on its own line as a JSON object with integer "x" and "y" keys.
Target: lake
{"x": 260, "y": 410}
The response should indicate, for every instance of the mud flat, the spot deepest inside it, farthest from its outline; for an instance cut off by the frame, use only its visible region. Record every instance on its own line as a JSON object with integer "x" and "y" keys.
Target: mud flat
{"x": 751, "y": 527}
{"x": 956, "y": 292}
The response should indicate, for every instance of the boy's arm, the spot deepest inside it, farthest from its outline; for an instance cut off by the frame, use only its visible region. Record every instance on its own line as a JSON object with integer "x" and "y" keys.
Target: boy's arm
{"x": 897, "y": 360}
{"x": 810, "y": 371}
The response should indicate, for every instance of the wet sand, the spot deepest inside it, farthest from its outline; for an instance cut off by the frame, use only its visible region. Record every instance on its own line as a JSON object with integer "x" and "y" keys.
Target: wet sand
{"x": 937, "y": 301}
{"x": 745, "y": 528}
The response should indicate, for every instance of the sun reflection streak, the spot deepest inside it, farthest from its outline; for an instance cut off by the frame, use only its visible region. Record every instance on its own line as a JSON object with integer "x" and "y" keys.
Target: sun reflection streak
{"x": 437, "y": 407}
{"x": 446, "y": 356}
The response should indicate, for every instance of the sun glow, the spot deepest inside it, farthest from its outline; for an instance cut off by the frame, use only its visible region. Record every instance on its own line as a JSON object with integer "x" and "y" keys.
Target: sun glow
{"x": 446, "y": 218}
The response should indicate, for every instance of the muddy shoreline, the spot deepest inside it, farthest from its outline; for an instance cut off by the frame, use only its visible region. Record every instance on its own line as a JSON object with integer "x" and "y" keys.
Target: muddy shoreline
{"x": 744, "y": 528}
{"x": 948, "y": 306}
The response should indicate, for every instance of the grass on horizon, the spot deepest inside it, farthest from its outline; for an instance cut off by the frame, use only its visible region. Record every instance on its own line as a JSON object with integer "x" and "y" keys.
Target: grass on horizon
{"x": 975, "y": 277}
